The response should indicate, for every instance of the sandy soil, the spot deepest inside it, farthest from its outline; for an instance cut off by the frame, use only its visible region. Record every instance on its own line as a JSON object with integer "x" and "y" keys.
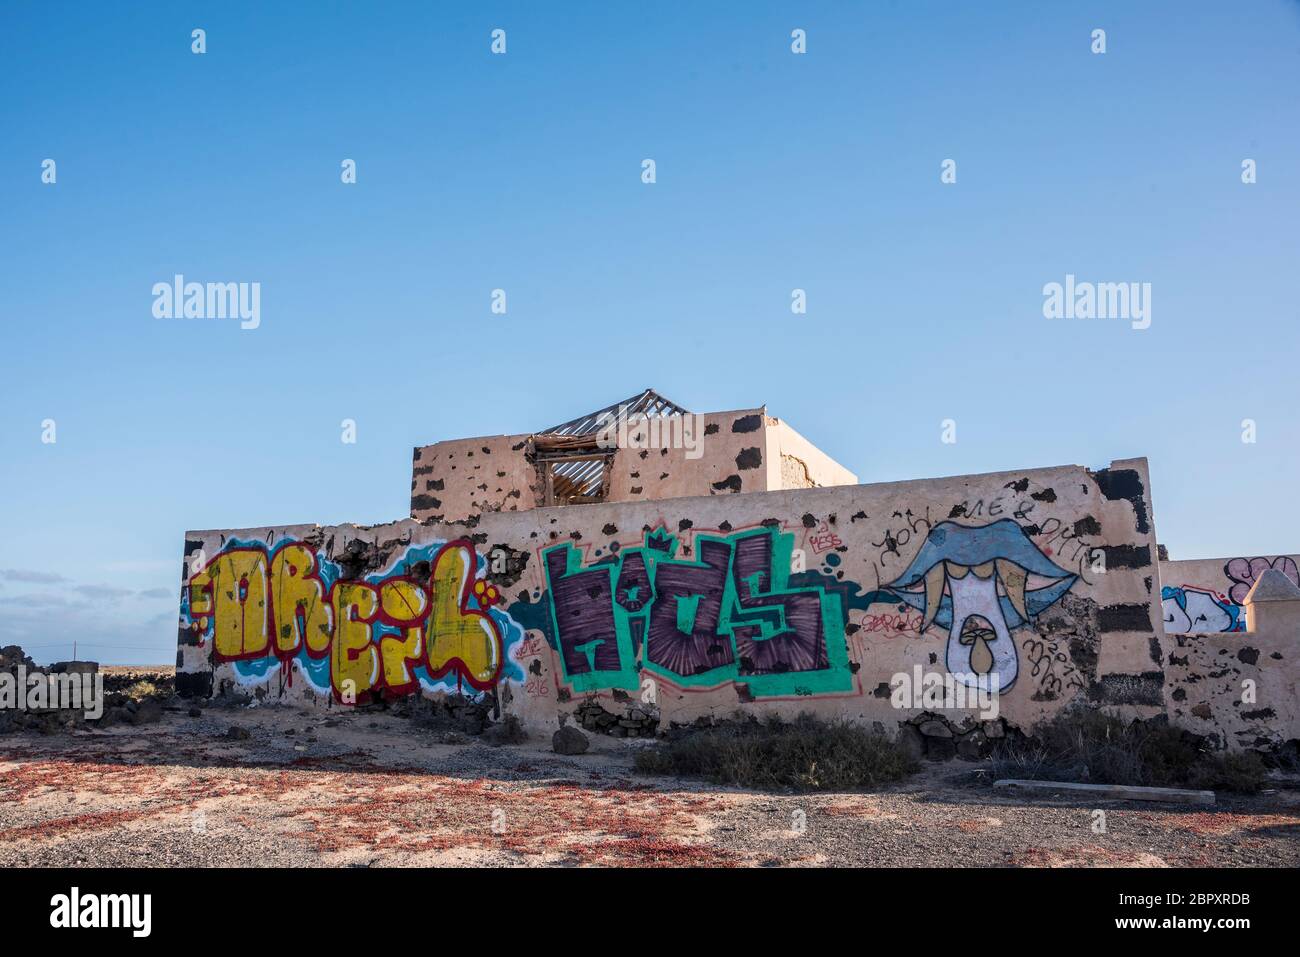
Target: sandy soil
{"x": 374, "y": 790}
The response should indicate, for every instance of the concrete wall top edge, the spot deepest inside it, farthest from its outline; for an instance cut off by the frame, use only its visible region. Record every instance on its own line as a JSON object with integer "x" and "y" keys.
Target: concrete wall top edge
{"x": 772, "y": 496}
{"x": 775, "y": 498}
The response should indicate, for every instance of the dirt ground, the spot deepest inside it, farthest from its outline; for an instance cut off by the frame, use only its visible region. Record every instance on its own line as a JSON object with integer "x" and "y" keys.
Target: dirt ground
{"x": 358, "y": 789}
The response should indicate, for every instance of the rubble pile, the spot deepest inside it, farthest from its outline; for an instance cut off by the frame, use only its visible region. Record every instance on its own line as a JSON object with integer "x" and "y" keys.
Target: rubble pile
{"x": 637, "y": 721}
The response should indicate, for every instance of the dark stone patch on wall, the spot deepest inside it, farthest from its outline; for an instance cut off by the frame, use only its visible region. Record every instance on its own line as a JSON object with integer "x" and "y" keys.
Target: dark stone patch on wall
{"x": 424, "y": 501}
{"x": 1127, "y": 556}
{"x": 1124, "y": 617}
{"x": 1179, "y": 694}
{"x": 1047, "y": 495}
{"x": 747, "y": 423}
{"x": 1087, "y": 526}
{"x": 1153, "y": 649}
{"x": 1248, "y": 656}
{"x": 711, "y": 429}
{"x": 857, "y": 515}
{"x": 1083, "y": 652}
{"x": 750, "y": 458}
{"x": 1019, "y": 485}
{"x": 809, "y": 520}
{"x": 1146, "y": 688}
{"x": 609, "y": 529}
{"x": 191, "y": 546}
{"x": 731, "y": 483}
{"x": 357, "y": 558}
{"x": 194, "y": 684}
{"x": 1263, "y": 714}
{"x": 684, "y": 524}
{"x": 186, "y": 636}
{"x": 1124, "y": 484}
{"x": 882, "y": 690}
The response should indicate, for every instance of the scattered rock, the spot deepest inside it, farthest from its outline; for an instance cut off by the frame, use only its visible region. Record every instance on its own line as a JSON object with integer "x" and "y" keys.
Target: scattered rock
{"x": 911, "y": 740}
{"x": 569, "y": 740}
{"x": 147, "y": 711}
{"x": 936, "y": 729}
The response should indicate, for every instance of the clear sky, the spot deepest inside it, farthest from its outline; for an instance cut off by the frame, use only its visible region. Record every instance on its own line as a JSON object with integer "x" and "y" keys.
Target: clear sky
{"x": 522, "y": 172}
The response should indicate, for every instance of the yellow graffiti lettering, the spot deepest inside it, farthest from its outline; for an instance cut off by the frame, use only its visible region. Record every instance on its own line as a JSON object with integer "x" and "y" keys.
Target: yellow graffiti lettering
{"x": 403, "y": 604}
{"x": 233, "y": 591}
{"x": 460, "y": 637}
{"x": 354, "y": 664}
{"x": 302, "y": 613}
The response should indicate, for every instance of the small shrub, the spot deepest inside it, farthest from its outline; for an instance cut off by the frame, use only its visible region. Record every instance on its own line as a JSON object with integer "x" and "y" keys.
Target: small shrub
{"x": 807, "y": 754}
{"x": 1087, "y": 745}
{"x": 141, "y": 689}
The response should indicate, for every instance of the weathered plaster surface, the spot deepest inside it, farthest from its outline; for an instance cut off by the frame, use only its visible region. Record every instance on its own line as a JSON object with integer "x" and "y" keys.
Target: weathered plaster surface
{"x": 779, "y": 601}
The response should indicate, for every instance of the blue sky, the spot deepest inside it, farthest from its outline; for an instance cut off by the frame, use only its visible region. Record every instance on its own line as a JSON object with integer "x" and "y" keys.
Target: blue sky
{"x": 775, "y": 171}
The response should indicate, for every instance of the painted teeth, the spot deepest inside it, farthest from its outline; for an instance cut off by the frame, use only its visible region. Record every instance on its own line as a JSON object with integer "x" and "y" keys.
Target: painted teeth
{"x": 1013, "y": 579}
{"x": 933, "y": 592}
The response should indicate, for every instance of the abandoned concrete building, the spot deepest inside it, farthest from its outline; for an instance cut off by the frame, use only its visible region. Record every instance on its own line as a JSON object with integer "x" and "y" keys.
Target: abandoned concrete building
{"x": 643, "y": 566}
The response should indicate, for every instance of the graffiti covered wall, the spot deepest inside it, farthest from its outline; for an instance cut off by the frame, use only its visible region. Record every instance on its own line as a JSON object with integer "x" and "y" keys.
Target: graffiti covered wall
{"x": 1037, "y": 584}
{"x": 1207, "y": 595}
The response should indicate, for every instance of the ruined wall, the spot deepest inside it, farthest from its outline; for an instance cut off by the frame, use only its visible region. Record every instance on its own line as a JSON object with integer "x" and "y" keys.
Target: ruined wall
{"x": 1231, "y": 659}
{"x": 794, "y": 462}
{"x": 1207, "y": 594}
{"x": 451, "y": 481}
{"x": 731, "y": 457}
{"x": 723, "y": 453}
{"x": 1038, "y": 584}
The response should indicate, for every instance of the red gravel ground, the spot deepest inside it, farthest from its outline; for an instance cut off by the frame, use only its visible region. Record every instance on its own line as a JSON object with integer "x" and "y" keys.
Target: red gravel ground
{"x": 373, "y": 790}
